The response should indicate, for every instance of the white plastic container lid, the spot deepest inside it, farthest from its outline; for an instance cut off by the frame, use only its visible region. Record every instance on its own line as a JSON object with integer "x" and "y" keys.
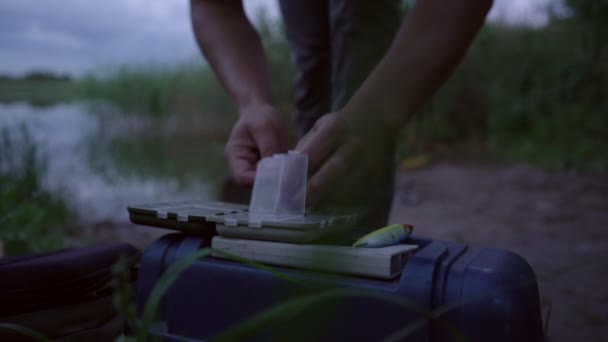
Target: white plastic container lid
{"x": 279, "y": 190}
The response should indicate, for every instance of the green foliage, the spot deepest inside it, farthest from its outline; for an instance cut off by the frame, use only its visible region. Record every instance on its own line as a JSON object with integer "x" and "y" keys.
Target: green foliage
{"x": 291, "y": 308}
{"x": 41, "y": 75}
{"x": 24, "y": 331}
{"x": 164, "y": 283}
{"x": 281, "y": 69}
{"x": 30, "y": 217}
{"x": 525, "y": 94}
{"x": 43, "y": 92}
{"x": 123, "y": 296}
{"x": 273, "y": 316}
{"x": 36, "y": 75}
{"x": 122, "y": 278}
{"x": 187, "y": 89}
{"x": 158, "y": 90}
{"x": 153, "y": 155}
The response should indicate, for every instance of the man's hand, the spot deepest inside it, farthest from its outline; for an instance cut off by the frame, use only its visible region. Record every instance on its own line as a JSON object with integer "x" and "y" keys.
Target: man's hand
{"x": 225, "y": 35}
{"x": 347, "y": 158}
{"x": 260, "y": 132}
{"x": 348, "y": 150}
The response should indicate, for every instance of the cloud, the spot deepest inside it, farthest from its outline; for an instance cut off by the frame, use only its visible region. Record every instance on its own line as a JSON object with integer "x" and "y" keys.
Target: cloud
{"x": 75, "y": 36}
{"x": 530, "y": 13}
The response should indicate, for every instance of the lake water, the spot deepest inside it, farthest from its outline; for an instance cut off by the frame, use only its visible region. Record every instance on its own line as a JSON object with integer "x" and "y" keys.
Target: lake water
{"x": 100, "y": 160}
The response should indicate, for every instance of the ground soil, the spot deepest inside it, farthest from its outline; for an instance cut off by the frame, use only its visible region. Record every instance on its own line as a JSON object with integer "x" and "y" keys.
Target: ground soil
{"x": 557, "y": 221}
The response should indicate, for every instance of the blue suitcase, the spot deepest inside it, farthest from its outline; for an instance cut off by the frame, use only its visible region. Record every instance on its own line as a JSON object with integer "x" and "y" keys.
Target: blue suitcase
{"x": 458, "y": 293}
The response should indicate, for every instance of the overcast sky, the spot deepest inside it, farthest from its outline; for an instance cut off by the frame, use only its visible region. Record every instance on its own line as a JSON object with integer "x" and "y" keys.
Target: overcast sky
{"x": 76, "y": 36}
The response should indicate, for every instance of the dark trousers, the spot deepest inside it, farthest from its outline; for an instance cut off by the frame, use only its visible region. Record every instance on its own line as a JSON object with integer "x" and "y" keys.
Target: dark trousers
{"x": 335, "y": 44}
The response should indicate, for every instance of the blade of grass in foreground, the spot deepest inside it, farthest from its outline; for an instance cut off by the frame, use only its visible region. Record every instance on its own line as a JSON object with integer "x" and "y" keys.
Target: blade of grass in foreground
{"x": 276, "y": 312}
{"x": 24, "y": 331}
{"x": 172, "y": 274}
{"x": 297, "y": 305}
{"x": 163, "y": 284}
{"x": 399, "y": 335}
{"x": 259, "y": 266}
{"x": 294, "y": 306}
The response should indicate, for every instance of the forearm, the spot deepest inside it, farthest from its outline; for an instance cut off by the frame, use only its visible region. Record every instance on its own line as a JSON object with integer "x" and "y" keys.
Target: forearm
{"x": 430, "y": 44}
{"x": 233, "y": 49}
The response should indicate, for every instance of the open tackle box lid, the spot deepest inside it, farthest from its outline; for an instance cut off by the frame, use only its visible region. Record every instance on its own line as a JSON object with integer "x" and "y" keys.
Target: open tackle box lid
{"x": 276, "y": 213}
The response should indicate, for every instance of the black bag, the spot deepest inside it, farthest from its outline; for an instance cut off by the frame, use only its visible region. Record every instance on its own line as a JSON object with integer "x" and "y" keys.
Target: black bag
{"x": 64, "y": 295}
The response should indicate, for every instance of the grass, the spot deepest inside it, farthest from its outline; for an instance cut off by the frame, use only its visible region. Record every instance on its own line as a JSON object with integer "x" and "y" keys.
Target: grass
{"x": 158, "y": 91}
{"x": 189, "y": 88}
{"x": 24, "y": 331}
{"x": 313, "y": 297}
{"x": 288, "y": 309}
{"x": 532, "y": 95}
{"x": 524, "y": 95}
{"x": 31, "y": 217}
{"x": 154, "y": 155}
{"x": 273, "y": 315}
{"x": 36, "y": 92}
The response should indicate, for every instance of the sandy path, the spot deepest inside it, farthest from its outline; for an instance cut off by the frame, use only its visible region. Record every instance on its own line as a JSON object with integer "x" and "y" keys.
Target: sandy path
{"x": 558, "y": 222}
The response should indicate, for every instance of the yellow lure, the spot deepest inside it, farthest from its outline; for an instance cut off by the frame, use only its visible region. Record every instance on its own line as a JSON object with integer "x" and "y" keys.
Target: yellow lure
{"x": 387, "y": 236}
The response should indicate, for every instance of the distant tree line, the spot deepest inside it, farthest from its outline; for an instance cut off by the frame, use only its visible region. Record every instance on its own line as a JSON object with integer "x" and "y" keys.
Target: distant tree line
{"x": 37, "y": 76}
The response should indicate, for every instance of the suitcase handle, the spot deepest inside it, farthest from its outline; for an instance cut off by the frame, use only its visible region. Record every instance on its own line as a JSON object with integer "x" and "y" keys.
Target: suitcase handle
{"x": 417, "y": 279}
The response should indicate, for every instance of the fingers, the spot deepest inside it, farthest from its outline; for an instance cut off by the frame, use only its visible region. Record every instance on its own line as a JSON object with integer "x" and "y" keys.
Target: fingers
{"x": 241, "y": 155}
{"x": 348, "y": 178}
{"x": 356, "y": 185}
{"x": 242, "y": 162}
{"x": 323, "y": 182}
{"x": 320, "y": 142}
{"x": 268, "y": 141}
{"x": 269, "y": 132}
{"x": 252, "y": 138}
{"x": 243, "y": 176}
